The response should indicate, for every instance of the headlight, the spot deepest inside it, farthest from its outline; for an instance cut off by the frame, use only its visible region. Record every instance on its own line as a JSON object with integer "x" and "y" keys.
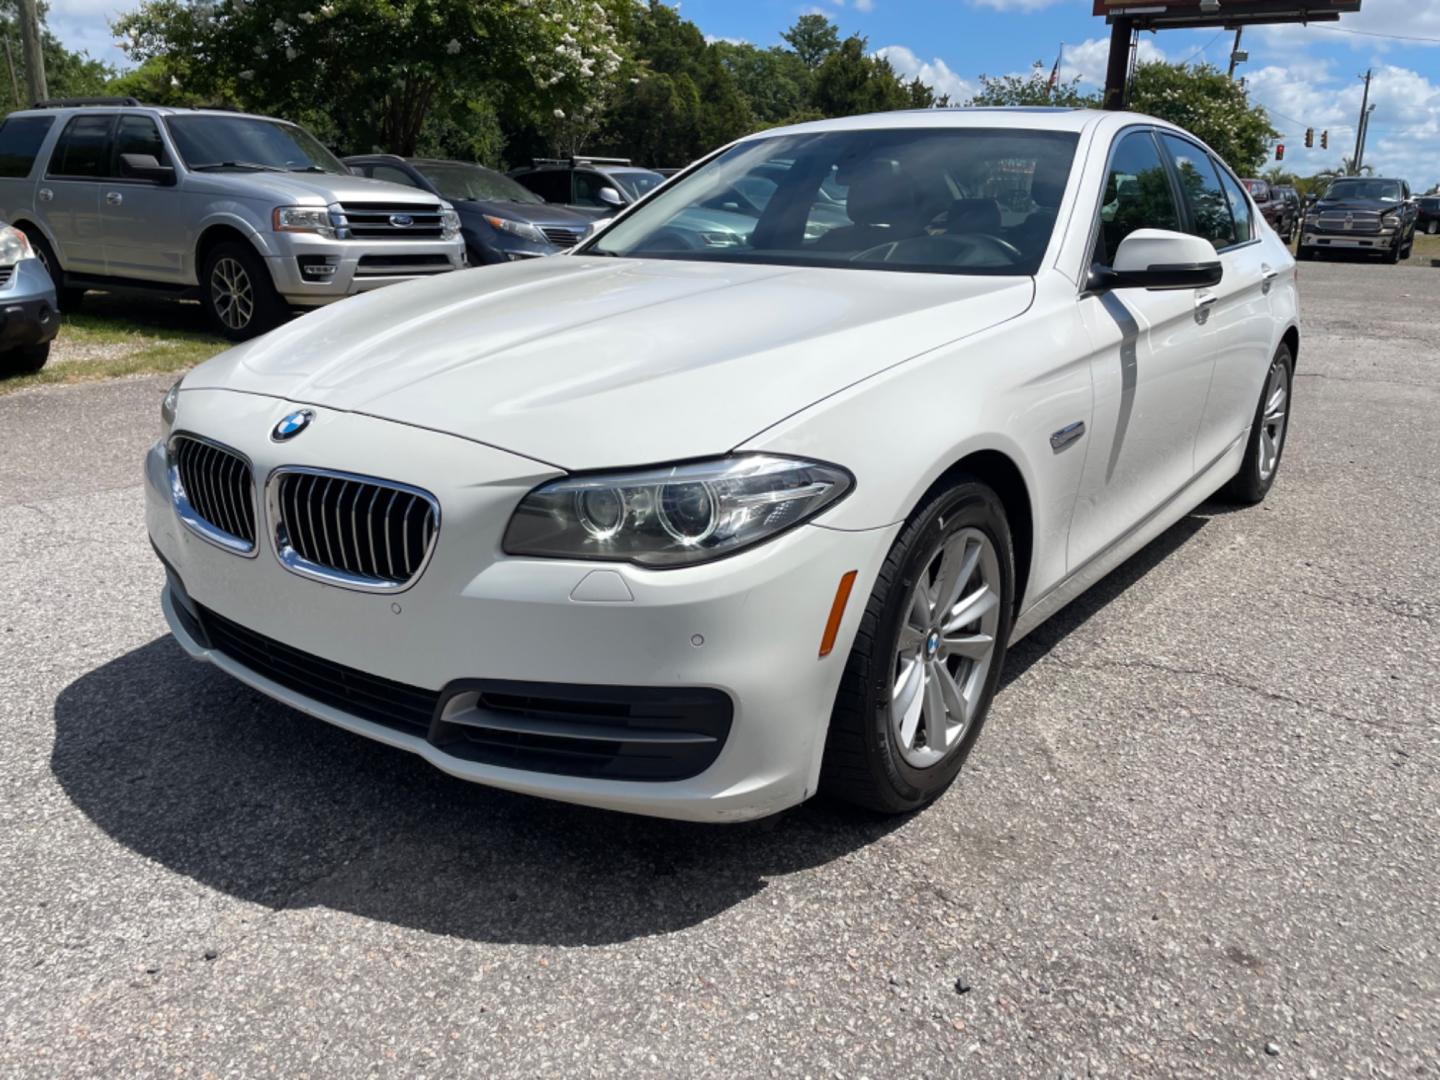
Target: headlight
{"x": 675, "y": 515}
{"x": 14, "y": 246}
{"x": 449, "y": 224}
{"x": 167, "y": 408}
{"x": 311, "y": 219}
{"x": 516, "y": 228}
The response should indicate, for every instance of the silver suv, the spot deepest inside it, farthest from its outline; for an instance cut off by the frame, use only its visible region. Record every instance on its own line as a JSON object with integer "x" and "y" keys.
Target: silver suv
{"x": 251, "y": 215}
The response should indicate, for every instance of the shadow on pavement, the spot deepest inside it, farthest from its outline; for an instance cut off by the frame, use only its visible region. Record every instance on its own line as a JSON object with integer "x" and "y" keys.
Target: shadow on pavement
{"x": 187, "y": 767}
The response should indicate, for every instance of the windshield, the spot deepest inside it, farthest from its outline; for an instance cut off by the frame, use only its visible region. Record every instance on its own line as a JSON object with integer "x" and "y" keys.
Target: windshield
{"x": 960, "y": 201}
{"x": 637, "y": 182}
{"x": 1257, "y": 188}
{"x": 1381, "y": 190}
{"x": 249, "y": 142}
{"x": 456, "y": 180}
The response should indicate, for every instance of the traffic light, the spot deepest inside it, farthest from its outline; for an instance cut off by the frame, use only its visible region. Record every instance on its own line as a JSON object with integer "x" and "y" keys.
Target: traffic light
{"x": 1280, "y": 151}
{"x": 1309, "y": 138}
{"x": 1324, "y": 140}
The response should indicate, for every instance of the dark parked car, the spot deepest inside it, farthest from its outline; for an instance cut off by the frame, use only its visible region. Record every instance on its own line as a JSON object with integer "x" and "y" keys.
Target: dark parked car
{"x": 1361, "y": 214}
{"x": 499, "y": 219}
{"x": 1277, "y": 210}
{"x": 1428, "y": 218}
{"x": 594, "y": 186}
{"x": 1293, "y": 200}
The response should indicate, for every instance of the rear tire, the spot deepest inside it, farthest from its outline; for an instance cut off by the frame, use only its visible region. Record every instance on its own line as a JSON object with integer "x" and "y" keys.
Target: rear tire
{"x": 919, "y": 664}
{"x": 237, "y": 292}
{"x": 67, "y": 298}
{"x": 1268, "y": 430}
{"x": 26, "y": 360}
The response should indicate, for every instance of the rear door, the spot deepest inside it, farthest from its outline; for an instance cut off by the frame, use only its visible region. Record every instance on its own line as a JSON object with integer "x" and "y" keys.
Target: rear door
{"x": 1240, "y": 324}
{"x": 1150, "y": 366}
{"x": 145, "y": 236}
{"x": 68, "y": 197}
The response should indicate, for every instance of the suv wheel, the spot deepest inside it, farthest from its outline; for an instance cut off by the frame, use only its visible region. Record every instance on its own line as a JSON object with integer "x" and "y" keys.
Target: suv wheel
{"x": 66, "y": 299}
{"x": 238, "y": 294}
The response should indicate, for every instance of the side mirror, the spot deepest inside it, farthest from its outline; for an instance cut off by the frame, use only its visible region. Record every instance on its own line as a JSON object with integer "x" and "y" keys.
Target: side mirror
{"x": 1158, "y": 259}
{"x": 145, "y": 167}
{"x": 610, "y": 197}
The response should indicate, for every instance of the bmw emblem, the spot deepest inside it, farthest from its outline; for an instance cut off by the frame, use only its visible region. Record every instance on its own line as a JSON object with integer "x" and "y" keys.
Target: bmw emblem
{"x": 292, "y": 425}
{"x": 401, "y": 221}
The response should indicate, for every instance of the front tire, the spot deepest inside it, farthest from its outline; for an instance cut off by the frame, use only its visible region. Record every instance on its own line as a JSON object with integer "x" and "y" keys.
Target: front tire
{"x": 237, "y": 292}
{"x": 26, "y": 360}
{"x": 926, "y": 661}
{"x": 1267, "y": 435}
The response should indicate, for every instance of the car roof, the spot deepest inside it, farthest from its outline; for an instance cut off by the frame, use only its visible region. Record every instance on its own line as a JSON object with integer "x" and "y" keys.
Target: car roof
{"x": 153, "y": 110}
{"x": 1027, "y": 118}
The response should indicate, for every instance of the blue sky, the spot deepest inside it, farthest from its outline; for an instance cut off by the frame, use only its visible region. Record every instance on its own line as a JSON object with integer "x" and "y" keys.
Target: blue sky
{"x": 1305, "y": 76}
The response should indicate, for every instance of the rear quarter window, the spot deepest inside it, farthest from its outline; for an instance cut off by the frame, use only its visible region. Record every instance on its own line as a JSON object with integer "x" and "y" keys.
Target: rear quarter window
{"x": 20, "y": 139}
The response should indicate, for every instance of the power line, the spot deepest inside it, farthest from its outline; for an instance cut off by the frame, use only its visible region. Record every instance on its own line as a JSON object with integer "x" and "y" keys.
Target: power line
{"x": 1375, "y": 34}
{"x": 1202, "y": 48}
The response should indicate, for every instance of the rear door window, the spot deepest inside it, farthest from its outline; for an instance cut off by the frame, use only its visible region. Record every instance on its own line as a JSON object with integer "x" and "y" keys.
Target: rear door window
{"x": 1209, "y": 209}
{"x": 1239, "y": 207}
{"x": 83, "y": 149}
{"x": 20, "y": 139}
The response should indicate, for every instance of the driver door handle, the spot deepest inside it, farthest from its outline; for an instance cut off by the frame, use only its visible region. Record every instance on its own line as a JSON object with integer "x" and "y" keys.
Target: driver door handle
{"x": 114, "y": 198}
{"x": 45, "y": 194}
{"x": 1268, "y": 274}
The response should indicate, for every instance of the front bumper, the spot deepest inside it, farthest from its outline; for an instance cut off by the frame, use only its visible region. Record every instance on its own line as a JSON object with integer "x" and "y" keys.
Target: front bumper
{"x": 1318, "y": 238}
{"x": 748, "y": 626}
{"x": 27, "y": 307}
{"x": 359, "y": 265}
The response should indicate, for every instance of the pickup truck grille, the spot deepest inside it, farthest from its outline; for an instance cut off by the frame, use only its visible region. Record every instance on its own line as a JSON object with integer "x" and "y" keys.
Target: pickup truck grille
{"x": 1362, "y": 222}
{"x": 391, "y": 221}
{"x": 351, "y": 530}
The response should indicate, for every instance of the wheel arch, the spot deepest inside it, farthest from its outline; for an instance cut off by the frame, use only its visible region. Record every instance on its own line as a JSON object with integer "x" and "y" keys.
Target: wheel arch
{"x": 1291, "y": 339}
{"x": 213, "y": 236}
{"x": 999, "y": 472}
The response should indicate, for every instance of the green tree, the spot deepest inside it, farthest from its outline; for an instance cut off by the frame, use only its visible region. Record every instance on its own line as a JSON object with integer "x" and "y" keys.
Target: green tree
{"x": 67, "y": 73}
{"x": 850, "y": 82}
{"x": 1033, "y": 89}
{"x": 1202, "y": 100}
{"x": 385, "y": 74}
{"x": 774, "y": 82}
{"x": 814, "y": 39}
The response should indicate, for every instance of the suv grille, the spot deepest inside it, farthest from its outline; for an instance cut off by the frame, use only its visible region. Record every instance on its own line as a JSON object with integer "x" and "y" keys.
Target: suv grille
{"x": 352, "y": 530}
{"x": 214, "y": 492}
{"x": 377, "y": 221}
{"x": 561, "y": 237}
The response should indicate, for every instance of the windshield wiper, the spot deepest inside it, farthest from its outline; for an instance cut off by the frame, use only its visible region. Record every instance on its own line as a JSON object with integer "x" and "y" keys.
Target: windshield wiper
{"x": 308, "y": 169}
{"x": 236, "y": 165}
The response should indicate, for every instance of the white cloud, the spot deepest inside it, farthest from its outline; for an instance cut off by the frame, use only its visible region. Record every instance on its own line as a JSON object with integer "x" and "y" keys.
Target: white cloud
{"x": 711, "y": 39}
{"x": 84, "y": 26}
{"x": 1088, "y": 59}
{"x": 864, "y": 5}
{"x": 935, "y": 73}
{"x": 1014, "y": 5}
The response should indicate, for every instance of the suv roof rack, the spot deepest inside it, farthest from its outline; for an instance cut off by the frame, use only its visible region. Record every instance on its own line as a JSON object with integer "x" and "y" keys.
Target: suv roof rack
{"x": 75, "y": 102}
{"x": 578, "y": 159}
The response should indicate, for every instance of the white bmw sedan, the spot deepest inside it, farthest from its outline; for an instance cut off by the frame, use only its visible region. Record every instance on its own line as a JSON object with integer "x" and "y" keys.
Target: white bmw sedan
{"x": 706, "y": 517}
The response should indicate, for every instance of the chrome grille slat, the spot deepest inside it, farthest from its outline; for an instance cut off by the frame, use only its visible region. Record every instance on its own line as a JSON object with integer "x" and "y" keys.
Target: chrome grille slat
{"x": 344, "y": 546}
{"x": 212, "y": 488}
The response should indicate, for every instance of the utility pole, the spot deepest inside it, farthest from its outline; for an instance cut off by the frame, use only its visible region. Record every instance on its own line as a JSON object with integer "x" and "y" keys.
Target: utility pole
{"x": 1364, "y": 138}
{"x": 20, "y": 102}
{"x": 30, "y": 52}
{"x": 1360, "y": 128}
{"x": 1235, "y": 53}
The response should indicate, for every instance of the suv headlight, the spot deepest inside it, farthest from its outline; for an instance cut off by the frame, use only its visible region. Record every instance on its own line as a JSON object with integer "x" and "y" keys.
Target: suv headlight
{"x": 521, "y": 229}
{"x": 14, "y": 246}
{"x": 311, "y": 219}
{"x": 673, "y": 515}
{"x": 449, "y": 224}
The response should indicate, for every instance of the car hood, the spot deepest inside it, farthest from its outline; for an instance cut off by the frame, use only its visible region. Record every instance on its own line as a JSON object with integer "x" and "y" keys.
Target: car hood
{"x": 1369, "y": 205}
{"x": 587, "y": 362}
{"x": 309, "y": 189}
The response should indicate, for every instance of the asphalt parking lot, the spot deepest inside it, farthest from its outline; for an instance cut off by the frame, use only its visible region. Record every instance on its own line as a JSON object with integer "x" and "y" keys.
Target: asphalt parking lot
{"x": 1201, "y": 835}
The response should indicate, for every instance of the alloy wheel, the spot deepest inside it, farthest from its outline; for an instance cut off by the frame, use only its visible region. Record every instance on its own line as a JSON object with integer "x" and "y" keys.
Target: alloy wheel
{"x": 1273, "y": 419}
{"x": 232, "y": 294}
{"x": 945, "y": 648}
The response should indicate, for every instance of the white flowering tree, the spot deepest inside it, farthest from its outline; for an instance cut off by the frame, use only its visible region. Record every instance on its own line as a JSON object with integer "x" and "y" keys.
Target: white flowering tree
{"x": 379, "y": 70}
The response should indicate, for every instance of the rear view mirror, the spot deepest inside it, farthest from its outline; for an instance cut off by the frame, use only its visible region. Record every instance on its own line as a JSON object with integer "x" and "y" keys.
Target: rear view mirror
{"x": 1158, "y": 259}
{"x": 146, "y": 167}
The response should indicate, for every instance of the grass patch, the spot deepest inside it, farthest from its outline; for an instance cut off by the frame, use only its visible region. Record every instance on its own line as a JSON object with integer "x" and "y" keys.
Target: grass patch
{"x": 114, "y": 336}
{"x": 1426, "y": 248}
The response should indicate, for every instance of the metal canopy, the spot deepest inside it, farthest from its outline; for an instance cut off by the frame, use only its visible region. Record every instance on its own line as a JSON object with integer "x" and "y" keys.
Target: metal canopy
{"x": 1227, "y": 14}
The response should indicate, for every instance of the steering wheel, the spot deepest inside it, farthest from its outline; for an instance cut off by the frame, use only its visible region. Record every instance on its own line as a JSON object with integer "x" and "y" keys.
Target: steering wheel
{"x": 915, "y": 249}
